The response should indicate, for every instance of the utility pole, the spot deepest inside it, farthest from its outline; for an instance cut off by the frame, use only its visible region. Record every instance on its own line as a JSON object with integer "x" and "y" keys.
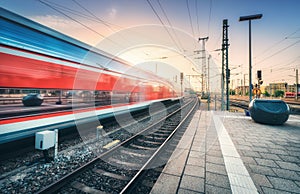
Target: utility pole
{"x": 225, "y": 46}
{"x": 249, "y": 18}
{"x": 296, "y": 96}
{"x": 208, "y": 84}
{"x": 204, "y": 85}
{"x": 181, "y": 81}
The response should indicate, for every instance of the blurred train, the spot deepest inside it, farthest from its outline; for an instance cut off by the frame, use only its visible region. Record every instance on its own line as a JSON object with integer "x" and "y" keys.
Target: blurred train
{"x": 37, "y": 57}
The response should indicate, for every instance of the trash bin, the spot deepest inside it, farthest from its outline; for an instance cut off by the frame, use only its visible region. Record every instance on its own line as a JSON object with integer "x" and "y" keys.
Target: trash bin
{"x": 32, "y": 99}
{"x": 272, "y": 112}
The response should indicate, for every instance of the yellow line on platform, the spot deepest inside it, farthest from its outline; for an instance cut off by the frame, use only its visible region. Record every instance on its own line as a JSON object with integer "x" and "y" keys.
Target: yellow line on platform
{"x": 111, "y": 144}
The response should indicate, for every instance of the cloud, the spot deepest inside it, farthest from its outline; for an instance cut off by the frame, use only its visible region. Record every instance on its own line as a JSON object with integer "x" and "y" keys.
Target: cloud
{"x": 53, "y": 21}
{"x": 112, "y": 13}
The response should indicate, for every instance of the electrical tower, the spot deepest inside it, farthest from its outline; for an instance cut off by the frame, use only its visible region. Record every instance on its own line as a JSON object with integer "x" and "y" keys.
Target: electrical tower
{"x": 225, "y": 68}
{"x": 203, "y": 57}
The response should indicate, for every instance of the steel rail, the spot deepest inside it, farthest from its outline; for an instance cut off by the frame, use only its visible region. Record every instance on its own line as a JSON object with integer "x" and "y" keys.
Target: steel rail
{"x": 131, "y": 182}
{"x": 64, "y": 180}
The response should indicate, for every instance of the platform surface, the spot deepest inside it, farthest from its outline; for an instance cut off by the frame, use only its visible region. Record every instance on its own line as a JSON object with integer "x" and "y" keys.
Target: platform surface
{"x": 224, "y": 152}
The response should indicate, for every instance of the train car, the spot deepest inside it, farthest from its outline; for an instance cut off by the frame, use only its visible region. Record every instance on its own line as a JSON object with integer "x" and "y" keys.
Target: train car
{"x": 289, "y": 94}
{"x": 34, "y": 56}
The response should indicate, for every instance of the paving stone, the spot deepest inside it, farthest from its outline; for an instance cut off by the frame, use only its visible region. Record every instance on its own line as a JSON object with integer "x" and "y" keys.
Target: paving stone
{"x": 194, "y": 171}
{"x": 166, "y": 184}
{"x": 265, "y": 162}
{"x": 175, "y": 164}
{"x": 196, "y": 154}
{"x": 278, "y": 151}
{"x": 214, "y": 159}
{"x": 213, "y": 189}
{"x": 248, "y": 160}
{"x": 196, "y": 161}
{"x": 291, "y": 148}
{"x": 264, "y": 170}
{"x": 270, "y": 156}
{"x": 244, "y": 147}
{"x": 293, "y": 153}
{"x": 198, "y": 143}
{"x": 260, "y": 180}
{"x": 214, "y": 147}
{"x": 287, "y": 174}
{"x": 217, "y": 180}
{"x": 260, "y": 149}
{"x": 192, "y": 183}
{"x": 288, "y": 165}
{"x": 216, "y": 168}
{"x": 250, "y": 154}
{"x": 197, "y": 148}
{"x": 214, "y": 153}
{"x": 186, "y": 191}
{"x": 289, "y": 158}
{"x": 267, "y": 190}
{"x": 284, "y": 184}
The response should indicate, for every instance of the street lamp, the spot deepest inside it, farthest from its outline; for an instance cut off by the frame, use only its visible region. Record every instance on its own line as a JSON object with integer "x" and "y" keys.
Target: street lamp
{"x": 249, "y": 18}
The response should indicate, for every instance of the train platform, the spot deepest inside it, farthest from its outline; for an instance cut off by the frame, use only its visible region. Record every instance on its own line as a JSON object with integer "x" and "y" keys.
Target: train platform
{"x": 226, "y": 152}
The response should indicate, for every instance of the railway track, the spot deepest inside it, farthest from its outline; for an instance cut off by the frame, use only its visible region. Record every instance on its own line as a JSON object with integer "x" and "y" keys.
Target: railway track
{"x": 118, "y": 169}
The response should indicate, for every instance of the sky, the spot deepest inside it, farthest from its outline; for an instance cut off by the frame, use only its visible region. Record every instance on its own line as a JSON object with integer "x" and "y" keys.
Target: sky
{"x": 162, "y": 35}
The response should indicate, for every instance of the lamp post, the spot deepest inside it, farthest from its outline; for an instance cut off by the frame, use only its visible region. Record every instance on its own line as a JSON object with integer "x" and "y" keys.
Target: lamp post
{"x": 249, "y": 18}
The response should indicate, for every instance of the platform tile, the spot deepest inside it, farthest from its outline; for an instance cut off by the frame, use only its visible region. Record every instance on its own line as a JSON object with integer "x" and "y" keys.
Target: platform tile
{"x": 284, "y": 184}
{"x": 217, "y": 180}
{"x": 192, "y": 183}
{"x": 196, "y": 171}
{"x": 166, "y": 184}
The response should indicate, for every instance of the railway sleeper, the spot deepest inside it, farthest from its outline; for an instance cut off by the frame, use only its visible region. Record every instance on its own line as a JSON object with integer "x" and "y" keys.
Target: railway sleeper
{"x": 124, "y": 163}
{"x": 131, "y": 153}
{"x": 112, "y": 175}
{"x": 149, "y": 141}
{"x": 153, "y": 136}
{"x": 143, "y": 147}
{"x": 84, "y": 188}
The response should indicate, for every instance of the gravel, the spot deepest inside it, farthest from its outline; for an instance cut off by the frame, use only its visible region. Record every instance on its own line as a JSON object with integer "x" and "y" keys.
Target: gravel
{"x": 32, "y": 174}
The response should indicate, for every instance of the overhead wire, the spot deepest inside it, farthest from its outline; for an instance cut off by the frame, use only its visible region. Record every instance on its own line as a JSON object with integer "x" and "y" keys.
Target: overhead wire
{"x": 197, "y": 16}
{"x": 277, "y": 43}
{"x": 96, "y": 17}
{"x": 80, "y": 14}
{"x": 278, "y": 52}
{"x": 209, "y": 18}
{"x": 190, "y": 17}
{"x": 77, "y": 21}
{"x": 170, "y": 24}
{"x": 161, "y": 21}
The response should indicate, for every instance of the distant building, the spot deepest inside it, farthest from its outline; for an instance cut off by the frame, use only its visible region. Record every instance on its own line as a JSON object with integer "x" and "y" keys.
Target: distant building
{"x": 279, "y": 86}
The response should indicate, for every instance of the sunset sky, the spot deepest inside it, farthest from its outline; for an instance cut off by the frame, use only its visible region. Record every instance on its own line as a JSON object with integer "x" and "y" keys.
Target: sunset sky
{"x": 162, "y": 34}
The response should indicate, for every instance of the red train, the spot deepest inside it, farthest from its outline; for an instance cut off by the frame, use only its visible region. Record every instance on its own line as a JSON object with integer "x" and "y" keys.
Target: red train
{"x": 291, "y": 94}
{"x": 34, "y": 56}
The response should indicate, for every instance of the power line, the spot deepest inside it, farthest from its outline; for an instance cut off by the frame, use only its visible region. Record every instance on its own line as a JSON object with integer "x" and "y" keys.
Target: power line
{"x": 276, "y": 53}
{"x": 159, "y": 18}
{"x": 277, "y": 43}
{"x": 161, "y": 7}
{"x": 102, "y": 21}
{"x": 197, "y": 16}
{"x": 75, "y": 12}
{"x": 77, "y": 21}
{"x": 209, "y": 17}
{"x": 52, "y": 7}
{"x": 190, "y": 18}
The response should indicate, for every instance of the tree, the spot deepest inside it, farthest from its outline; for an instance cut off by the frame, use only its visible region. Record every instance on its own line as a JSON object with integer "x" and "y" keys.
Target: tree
{"x": 279, "y": 93}
{"x": 266, "y": 94}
